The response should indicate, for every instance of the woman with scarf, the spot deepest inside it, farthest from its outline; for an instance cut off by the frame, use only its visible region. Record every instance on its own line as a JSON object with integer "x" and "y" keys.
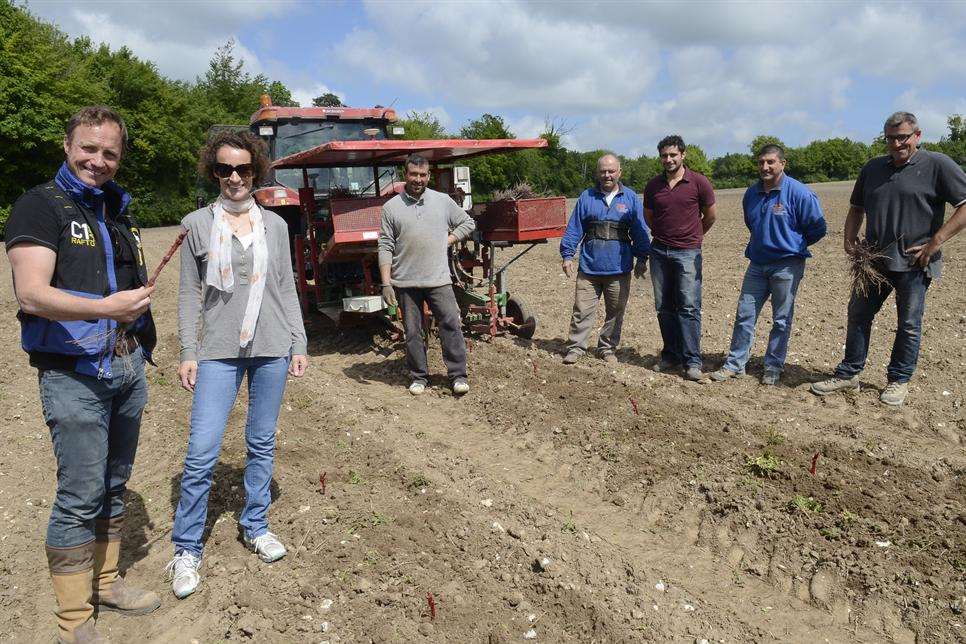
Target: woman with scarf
{"x": 238, "y": 316}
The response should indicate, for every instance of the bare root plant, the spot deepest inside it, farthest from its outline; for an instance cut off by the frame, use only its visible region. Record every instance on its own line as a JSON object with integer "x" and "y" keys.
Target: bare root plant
{"x": 522, "y": 190}
{"x": 865, "y": 262}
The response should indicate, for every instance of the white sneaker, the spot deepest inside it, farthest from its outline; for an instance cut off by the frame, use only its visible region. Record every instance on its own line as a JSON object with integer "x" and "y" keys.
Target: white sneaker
{"x": 417, "y": 388}
{"x": 267, "y": 547}
{"x": 460, "y": 387}
{"x": 183, "y": 572}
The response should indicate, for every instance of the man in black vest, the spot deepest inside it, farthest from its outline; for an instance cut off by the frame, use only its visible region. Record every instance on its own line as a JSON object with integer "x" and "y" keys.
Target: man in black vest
{"x": 80, "y": 279}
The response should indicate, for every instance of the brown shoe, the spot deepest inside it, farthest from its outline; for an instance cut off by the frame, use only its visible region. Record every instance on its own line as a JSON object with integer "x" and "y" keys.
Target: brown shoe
{"x": 111, "y": 592}
{"x": 609, "y": 358}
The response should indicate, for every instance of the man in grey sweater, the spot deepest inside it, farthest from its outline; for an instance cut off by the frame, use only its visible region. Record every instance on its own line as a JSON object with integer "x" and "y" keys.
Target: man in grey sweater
{"x": 418, "y": 226}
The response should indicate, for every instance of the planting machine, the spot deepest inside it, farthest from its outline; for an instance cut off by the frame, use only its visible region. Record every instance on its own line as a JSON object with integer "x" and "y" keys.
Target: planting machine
{"x": 333, "y": 170}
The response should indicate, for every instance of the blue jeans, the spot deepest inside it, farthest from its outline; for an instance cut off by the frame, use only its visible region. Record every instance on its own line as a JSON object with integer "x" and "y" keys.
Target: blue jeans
{"x": 216, "y": 387}
{"x": 910, "y": 288}
{"x": 778, "y": 280}
{"x": 94, "y": 425}
{"x": 676, "y": 275}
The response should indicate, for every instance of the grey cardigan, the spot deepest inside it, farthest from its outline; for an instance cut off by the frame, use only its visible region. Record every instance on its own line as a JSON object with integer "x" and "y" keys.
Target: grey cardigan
{"x": 209, "y": 320}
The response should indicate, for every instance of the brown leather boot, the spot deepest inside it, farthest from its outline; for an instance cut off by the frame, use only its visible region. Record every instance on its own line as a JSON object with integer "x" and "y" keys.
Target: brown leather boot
{"x": 111, "y": 592}
{"x": 72, "y": 572}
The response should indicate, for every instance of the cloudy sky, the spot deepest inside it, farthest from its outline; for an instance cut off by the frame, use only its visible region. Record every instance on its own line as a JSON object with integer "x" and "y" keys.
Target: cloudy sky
{"x": 619, "y": 75}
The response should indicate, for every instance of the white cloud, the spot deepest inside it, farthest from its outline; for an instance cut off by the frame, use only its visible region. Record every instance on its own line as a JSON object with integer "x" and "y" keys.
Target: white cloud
{"x": 500, "y": 55}
{"x": 628, "y": 73}
{"x": 178, "y": 37}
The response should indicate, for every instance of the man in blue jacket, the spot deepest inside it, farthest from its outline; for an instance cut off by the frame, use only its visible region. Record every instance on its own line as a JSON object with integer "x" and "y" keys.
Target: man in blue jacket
{"x": 608, "y": 225}
{"x": 79, "y": 274}
{"x": 784, "y": 218}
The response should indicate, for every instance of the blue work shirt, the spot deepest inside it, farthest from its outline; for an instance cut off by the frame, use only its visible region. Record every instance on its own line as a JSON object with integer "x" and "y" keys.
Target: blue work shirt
{"x": 606, "y": 256}
{"x": 783, "y": 222}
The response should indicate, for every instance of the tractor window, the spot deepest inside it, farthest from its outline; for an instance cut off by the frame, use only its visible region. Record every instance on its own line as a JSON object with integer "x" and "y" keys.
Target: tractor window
{"x": 357, "y": 181}
{"x": 305, "y": 135}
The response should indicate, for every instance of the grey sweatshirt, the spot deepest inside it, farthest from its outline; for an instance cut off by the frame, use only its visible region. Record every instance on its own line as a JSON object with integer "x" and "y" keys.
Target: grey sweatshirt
{"x": 210, "y": 320}
{"x": 413, "y": 238}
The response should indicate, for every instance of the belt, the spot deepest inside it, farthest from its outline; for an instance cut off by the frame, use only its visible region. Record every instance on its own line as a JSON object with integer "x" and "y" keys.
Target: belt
{"x": 608, "y": 230}
{"x": 125, "y": 345}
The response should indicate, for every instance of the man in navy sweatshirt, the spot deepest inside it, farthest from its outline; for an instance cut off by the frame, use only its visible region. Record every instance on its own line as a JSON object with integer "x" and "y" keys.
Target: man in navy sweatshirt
{"x": 608, "y": 225}
{"x": 784, "y": 218}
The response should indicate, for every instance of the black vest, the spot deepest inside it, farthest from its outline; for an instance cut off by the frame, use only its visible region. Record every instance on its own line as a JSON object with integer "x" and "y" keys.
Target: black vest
{"x": 85, "y": 268}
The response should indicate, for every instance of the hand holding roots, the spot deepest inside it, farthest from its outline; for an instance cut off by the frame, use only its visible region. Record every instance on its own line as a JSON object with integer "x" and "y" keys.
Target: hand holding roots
{"x": 865, "y": 268}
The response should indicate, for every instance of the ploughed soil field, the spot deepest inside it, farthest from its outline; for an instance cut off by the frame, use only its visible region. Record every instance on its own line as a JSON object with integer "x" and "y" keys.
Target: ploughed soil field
{"x": 560, "y": 504}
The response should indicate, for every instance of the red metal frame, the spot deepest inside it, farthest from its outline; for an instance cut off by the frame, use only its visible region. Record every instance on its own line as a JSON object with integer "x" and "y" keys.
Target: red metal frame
{"x": 392, "y": 152}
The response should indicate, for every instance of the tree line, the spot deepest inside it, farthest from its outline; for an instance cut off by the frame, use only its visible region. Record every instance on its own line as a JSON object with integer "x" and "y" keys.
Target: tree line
{"x": 557, "y": 170}
{"x": 45, "y": 76}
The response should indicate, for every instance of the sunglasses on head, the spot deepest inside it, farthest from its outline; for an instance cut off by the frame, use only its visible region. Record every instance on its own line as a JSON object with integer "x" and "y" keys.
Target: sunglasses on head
{"x": 224, "y": 171}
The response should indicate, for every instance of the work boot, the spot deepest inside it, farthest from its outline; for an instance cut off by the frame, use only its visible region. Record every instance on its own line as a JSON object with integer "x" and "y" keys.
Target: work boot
{"x": 572, "y": 357}
{"x": 771, "y": 377}
{"x": 693, "y": 374}
{"x": 666, "y": 367}
{"x": 834, "y": 384}
{"x": 895, "y": 393}
{"x": 723, "y": 374}
{"x": 72, "y": 573}
{"x": 111, "y": 592}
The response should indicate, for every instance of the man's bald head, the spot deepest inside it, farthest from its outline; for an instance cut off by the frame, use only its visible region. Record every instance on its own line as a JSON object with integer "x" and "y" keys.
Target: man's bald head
{"x": 608, "y": 172}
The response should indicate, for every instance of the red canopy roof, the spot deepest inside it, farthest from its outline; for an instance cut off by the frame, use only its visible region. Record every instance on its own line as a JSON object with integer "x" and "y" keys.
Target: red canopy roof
{"x": 393, "y": 152}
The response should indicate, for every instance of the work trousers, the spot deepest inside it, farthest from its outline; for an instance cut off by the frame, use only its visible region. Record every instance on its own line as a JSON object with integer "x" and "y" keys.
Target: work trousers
{"x": 442, "y": 302}
{"x": 615, "y": 289}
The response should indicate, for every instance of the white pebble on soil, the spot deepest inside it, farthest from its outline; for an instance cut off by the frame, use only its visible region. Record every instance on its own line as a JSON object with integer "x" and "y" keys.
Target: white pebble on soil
{"x": 659, "y": 586}
{"x": 531, "y": 634}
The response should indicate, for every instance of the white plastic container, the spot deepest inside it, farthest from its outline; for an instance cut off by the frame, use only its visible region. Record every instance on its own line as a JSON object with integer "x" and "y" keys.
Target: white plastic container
{"x": 363, "y": 304}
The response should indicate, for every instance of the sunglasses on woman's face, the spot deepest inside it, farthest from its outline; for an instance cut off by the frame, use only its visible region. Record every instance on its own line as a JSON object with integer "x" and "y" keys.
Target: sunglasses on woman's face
{"x": 224, "y": 171}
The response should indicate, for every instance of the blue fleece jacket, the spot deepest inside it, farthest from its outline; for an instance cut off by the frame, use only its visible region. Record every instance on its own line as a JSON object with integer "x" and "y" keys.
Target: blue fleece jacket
{"x": 783, "y": 222}
{"x": 606, "y": 256}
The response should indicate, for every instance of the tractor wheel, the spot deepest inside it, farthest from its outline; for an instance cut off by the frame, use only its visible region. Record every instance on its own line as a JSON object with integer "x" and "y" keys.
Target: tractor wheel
{"x": 519, "y": 312}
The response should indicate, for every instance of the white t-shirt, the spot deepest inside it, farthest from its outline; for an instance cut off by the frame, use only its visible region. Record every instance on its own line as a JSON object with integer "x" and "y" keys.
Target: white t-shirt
{"x": 609, "y": 197}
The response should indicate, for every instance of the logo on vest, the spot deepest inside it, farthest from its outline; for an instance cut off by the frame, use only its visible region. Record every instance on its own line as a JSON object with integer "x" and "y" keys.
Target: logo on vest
{"x": 81, "y": 234}
{"x": 779, "y": 209}
{"x": 621, "y": 207}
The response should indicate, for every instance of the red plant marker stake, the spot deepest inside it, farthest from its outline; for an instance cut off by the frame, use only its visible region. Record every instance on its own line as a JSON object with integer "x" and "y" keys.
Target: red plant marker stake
{"x": 534, "y": 367}
{"x": 634, "y": 406}
{"x": 322, "y": 483}
{"x": 167, "y": 257}
{"x": 432, "y": 606}
{"x": 811, "y": 470}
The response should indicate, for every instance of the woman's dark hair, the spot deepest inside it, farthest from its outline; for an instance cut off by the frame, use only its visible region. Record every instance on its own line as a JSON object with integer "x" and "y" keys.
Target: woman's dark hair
{"x": 240, "y": 140}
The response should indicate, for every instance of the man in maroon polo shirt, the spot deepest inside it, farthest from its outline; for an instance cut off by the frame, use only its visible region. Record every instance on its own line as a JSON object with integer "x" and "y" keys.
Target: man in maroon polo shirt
{"x": 679, "y": 208}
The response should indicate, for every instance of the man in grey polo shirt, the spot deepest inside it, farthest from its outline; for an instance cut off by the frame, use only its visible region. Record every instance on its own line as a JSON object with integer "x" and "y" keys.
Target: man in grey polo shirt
{"x": 418, "y": 226}
{"x": 903, "y": 199}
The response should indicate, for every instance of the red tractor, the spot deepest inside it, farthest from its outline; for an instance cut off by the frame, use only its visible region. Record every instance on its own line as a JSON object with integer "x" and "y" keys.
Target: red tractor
{"x": 334, "y": 168}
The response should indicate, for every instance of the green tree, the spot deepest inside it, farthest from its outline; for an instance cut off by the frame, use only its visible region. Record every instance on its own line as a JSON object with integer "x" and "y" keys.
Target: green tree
{"x": 697, "y": 160}
{"x": 735, "y": 170}
{"x": 492, "y": 172}
{"x": 761, "y": 141}
{"x": 420, "y": 126}
{"x": 957, "y": 128}
{"x": 327, "y": 100}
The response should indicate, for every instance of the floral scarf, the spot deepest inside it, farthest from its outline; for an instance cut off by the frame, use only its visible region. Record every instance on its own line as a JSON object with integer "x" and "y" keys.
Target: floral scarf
{"x": 219, "y": 273}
